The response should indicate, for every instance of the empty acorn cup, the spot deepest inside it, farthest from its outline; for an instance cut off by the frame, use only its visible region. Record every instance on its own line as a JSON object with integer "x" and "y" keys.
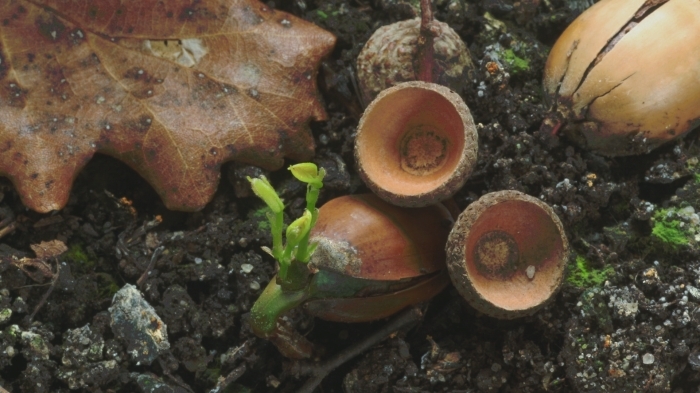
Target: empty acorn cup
{"x": 416, "y": 144}
{"x": 506, "y": 254}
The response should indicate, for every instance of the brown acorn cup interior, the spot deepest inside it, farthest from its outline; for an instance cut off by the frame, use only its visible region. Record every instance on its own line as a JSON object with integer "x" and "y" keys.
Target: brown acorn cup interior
{"x": 411, "y": 141}
{"x": 513, "y": 254}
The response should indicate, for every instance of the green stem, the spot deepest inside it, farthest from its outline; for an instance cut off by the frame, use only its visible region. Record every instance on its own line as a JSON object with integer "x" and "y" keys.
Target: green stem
{"x": 276, "y": 227}
{"x": 312, "y": 192}
{"x": 272, "y": 303}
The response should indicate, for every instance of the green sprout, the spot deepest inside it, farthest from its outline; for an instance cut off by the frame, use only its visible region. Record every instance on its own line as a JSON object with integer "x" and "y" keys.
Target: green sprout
{"x": 291, "y": 287}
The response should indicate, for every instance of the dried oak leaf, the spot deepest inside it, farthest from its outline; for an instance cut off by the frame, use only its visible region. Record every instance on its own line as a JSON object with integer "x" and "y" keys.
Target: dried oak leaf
{"x": 172, "y": 88}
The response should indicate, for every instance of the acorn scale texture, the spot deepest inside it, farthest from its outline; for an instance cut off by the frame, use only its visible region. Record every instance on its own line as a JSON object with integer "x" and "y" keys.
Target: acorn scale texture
{"x": 390, "y": 57}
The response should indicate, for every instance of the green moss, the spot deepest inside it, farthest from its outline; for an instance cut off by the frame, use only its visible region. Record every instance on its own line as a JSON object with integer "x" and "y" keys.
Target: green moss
{"x": 5, "y": 315}
{"x": 261, "y": 216}
{"x": 517, "y": 64}
{"x": 668, "y": 231}
{"x": 582, "y": 275}
{"x": 696, "y": 177}
{"x": 106, "y": 285}
{"x": 77, "y": 254}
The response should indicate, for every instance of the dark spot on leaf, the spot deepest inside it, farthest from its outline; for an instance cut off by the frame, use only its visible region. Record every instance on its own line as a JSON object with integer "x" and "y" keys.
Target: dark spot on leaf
{"x": 34, "y": 175}
{"x": 137, "y": 73}
{"x": 229, "y": 89}
{"x": 50, "y": 27}
{"x": 49, "y": 183}
{"x": 30, "y": 57}
{"x": 12, "y": 95}
{"x": 140, "y": 125}
{"x": 191, "y": 14}
{"x": 146, "y": 121}
{"x": 7, "y": 146}
{"x": 169, "y": 14}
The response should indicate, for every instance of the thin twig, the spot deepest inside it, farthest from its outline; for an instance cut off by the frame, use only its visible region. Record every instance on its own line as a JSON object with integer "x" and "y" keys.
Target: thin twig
{"x": 146, "y": 272}
{"x": 166, "y": 372}
{"x": 320, "y": 371}
{"x": 8, "y": 228}
{"x": 48, "y": 292}
{"x": 230, "y": 378}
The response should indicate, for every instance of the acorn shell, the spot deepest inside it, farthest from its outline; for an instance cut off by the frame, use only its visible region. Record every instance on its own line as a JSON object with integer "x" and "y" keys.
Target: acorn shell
{"x": 416, "y": 144}
{"x": 623, "y": 77}
{"x": 370, "y": 308}
{"x": 507, "y": 253}
{"x": 365, "y": 237}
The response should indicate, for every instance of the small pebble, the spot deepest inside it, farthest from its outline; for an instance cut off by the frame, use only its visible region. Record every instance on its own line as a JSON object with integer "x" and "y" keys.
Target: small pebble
{"x": 530, "y": 271}
{"x": 648, "y": 358}
{"x": 246, "y": 268}
{"x": 255, "y": 285}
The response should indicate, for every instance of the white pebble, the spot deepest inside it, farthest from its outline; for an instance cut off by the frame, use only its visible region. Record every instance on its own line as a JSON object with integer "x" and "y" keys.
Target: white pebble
{"x": 530, "y": 271}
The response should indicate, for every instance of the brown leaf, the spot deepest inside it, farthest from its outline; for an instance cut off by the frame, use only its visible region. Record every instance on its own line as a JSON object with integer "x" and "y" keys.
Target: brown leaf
{"x": 172, "y": 88}
{"x": 38, "y": 269}
{"x": 50, "y": 249}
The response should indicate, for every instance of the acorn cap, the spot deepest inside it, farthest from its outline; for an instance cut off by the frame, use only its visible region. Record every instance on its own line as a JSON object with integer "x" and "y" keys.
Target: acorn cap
{"x": 416, "y": 144}
{"x": 507, "y": 253}
{"x": 391, "y": 56}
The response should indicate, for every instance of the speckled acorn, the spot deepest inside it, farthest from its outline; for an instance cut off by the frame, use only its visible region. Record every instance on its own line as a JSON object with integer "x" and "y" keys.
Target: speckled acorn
{"x": 623, "y": 78}
{"x": 507, "y": 253}
{"x": 373, "y": 258}
{"x": 416, "y": 144}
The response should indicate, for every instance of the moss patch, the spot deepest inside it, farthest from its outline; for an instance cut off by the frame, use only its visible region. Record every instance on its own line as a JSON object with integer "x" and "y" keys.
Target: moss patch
{"x": 668, "y": 230}
{"x": 517, "y": 64}
{"x": 79, "y": 257}
{"x": 582, "y": 275}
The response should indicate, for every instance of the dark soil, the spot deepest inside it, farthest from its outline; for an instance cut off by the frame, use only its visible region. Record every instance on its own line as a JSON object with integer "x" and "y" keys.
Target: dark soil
{"x": 627, "y": 319}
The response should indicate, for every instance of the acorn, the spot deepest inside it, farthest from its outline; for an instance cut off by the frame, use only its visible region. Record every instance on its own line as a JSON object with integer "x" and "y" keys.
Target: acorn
{"x": 372, "y": 258}
{"x": 416, "y": 144}
{"x": 623, "y": 77}
{"x": 507, "y": 253}
{"x": 394, "y": 54}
